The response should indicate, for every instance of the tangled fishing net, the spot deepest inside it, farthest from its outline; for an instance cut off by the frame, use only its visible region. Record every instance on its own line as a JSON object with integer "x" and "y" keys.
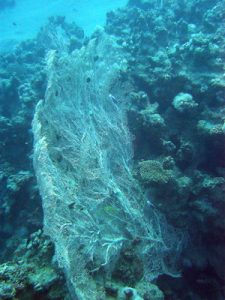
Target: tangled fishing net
{"x": 93, "y": 207}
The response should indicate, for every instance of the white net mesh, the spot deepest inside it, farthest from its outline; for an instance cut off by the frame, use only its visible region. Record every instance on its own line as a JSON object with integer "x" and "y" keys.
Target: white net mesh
{"x": 93, "y": 207}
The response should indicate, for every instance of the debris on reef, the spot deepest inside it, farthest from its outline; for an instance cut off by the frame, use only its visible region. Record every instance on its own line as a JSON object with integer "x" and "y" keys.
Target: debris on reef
{"x": 173, "y": 49}
{"x": 88, "y": 163}
{"x": 22, "y": 85}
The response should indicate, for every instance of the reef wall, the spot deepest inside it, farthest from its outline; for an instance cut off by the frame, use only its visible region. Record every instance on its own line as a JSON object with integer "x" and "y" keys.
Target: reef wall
{"x": 175, "y": 65}
{"x": 176, "y": 60}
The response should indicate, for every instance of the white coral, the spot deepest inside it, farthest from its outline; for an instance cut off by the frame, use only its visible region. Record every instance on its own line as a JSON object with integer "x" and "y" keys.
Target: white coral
{"x": 183, "y": 102}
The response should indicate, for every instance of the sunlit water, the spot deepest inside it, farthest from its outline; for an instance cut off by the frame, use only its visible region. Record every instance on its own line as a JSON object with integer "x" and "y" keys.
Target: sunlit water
{"x": 25, "y": 19}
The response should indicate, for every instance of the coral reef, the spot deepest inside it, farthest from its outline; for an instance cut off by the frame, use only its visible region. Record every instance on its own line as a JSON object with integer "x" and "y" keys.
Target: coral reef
{"x": 184, "y": 103}
{"x": 22, "y": 85}
{"x": 31, "y": 275}
{"x": 152, "y": 171}
{"x": 84, "y": 173}
{"x": 175, "y": 53}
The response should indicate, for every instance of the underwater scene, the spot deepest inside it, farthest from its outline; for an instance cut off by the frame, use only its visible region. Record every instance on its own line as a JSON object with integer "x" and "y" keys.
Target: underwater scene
{"x": 112, "y": 150}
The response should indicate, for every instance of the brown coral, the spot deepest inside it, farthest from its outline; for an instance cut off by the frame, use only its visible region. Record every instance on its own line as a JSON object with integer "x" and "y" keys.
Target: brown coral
{"x": 152, "y": 171}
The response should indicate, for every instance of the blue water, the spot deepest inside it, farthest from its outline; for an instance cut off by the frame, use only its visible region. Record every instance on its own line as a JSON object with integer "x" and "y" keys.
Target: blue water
{"x": 24, "y": 20}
